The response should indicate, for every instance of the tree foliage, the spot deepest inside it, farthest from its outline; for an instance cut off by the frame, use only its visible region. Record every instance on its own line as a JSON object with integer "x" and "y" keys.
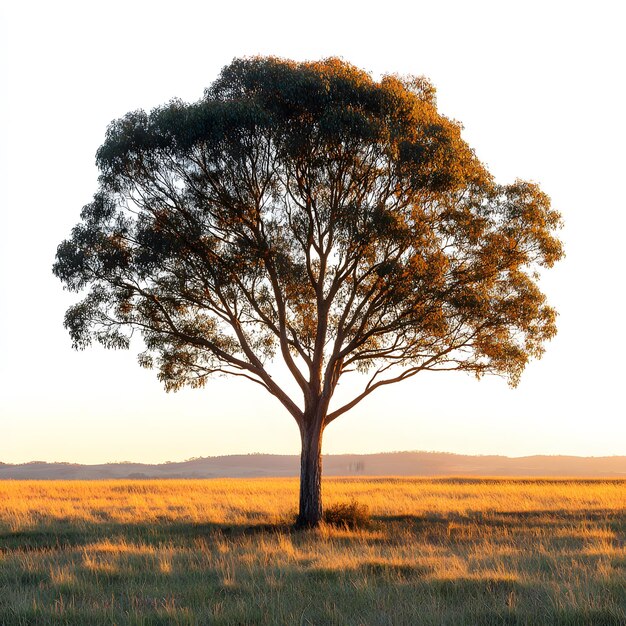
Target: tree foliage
{"x": 308, "y": 212}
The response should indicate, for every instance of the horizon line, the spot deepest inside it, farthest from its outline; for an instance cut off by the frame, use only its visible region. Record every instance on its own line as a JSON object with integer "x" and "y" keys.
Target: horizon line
{"x": 336, "y": 454}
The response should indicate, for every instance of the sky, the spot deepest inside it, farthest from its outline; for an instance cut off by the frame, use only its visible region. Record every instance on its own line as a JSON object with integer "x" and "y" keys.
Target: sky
{"x": 539, "y": 88}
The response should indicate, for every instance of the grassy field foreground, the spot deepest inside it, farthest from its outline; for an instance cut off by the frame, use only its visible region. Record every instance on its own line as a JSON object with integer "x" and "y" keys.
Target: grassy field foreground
{"x": 448, "y": 551}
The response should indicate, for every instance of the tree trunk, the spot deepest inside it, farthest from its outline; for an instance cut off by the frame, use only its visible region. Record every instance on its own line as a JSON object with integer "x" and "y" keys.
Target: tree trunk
{"x": 310, "y": 514}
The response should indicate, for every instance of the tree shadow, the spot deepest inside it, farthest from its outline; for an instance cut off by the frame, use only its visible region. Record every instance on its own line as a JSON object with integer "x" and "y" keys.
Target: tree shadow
{"x": 60, "y": 533}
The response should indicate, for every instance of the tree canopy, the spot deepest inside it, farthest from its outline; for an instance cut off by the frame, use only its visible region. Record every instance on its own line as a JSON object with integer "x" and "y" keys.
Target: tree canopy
{"x": 309, "y": 213}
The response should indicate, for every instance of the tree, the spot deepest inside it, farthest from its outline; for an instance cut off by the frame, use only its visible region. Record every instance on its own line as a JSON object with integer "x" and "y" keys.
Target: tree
{"x": 306, "y": 212}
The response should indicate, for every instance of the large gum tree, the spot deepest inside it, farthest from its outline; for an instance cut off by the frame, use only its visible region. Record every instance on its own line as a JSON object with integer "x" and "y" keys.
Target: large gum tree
{"x": 307, "y": 213}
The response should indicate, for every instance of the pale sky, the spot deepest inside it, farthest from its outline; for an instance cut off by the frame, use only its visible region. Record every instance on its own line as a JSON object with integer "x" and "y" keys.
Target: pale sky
{"x": 540, "y": 90}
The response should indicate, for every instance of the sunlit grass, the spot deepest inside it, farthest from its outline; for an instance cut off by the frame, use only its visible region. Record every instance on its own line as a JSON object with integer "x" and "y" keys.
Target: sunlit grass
{"x": 223, "y": 551}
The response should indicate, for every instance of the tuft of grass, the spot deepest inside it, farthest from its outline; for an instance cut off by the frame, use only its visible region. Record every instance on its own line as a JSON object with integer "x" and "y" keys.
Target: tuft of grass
{"x": 350, "y": 515}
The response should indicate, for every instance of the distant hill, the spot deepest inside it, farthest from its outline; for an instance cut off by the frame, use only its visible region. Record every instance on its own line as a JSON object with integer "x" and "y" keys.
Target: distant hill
{"x": 382, "y": 464}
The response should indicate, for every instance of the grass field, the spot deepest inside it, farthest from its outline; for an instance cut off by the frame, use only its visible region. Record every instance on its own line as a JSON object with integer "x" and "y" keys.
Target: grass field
{"x": 442, "y": 552}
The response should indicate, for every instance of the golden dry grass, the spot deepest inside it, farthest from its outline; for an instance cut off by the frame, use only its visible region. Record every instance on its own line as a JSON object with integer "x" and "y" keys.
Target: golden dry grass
{"x": 451, "y": 551}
